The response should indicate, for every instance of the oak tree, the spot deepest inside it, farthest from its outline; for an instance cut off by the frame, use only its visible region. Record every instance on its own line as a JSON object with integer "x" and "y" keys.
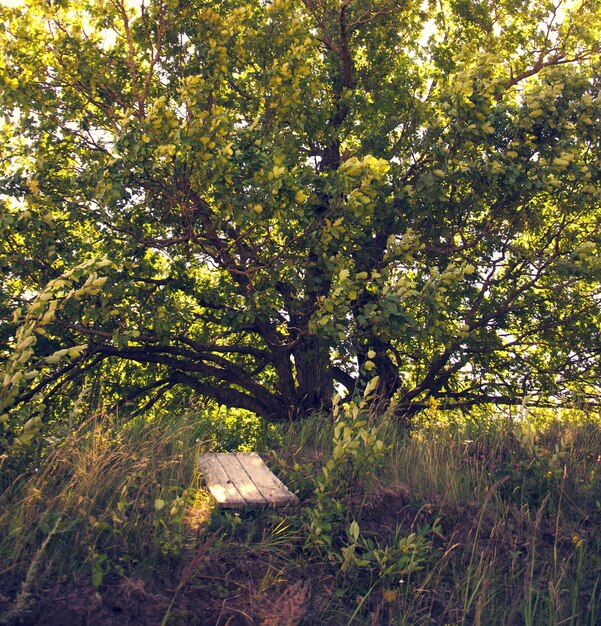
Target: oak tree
{"x": 268, "y": 201}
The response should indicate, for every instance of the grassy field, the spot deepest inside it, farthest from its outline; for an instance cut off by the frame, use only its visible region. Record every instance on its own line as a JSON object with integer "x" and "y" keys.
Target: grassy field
{"x": 491, "y": 518}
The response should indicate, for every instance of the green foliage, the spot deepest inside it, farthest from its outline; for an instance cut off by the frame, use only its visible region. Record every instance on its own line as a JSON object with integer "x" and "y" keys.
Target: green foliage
{"x": 24, "y": 369}
{"x": 355, "y": 448}
{"x": 227, "y": 430}
{"x": 100, "y": 565}
{"x": 402, "y": 557}
{"x": 293, "y": 194}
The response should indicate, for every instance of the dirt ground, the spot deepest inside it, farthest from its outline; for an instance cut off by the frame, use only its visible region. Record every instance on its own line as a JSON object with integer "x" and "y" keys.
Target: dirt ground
{"x": 234, "y": 587}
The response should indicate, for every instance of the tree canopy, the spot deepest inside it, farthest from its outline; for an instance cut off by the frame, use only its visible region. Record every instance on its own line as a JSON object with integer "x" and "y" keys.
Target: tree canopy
{"x": 264, "y": 202}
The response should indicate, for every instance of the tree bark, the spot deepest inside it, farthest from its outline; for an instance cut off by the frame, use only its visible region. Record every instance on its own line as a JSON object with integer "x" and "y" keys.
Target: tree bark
{"x": 315, "y": 381}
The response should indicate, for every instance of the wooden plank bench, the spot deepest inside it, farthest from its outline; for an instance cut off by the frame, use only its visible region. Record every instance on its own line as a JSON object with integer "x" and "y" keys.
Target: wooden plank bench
{"x": 241, "y": 479}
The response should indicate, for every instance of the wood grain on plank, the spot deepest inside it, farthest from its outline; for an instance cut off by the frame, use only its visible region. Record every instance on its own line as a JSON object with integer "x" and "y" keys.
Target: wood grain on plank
{"x": 270, "y": 486}
{"x": 243, "y": 479}
{"x": 219, "y": 483}
{"x": 239, "y": 476}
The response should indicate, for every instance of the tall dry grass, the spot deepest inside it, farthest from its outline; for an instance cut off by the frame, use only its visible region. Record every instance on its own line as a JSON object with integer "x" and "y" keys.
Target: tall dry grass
{"x": 113, "y": 498}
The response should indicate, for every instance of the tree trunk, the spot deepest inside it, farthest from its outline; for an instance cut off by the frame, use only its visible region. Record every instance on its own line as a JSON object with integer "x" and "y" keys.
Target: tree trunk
{"x": 315, "y": 382}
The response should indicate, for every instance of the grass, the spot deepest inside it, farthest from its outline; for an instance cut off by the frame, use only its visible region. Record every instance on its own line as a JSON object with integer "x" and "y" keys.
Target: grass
{"x": 481, "y": 519}
{"x": 109, "y": 499}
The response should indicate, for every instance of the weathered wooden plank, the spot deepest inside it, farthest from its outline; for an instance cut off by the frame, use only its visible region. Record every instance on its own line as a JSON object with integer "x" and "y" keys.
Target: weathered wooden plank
{"x": 243, "y": 479}
{"x": 239, "y": 476}
{"x": 270, "y": 486}
{"x": 219, "y": 482}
